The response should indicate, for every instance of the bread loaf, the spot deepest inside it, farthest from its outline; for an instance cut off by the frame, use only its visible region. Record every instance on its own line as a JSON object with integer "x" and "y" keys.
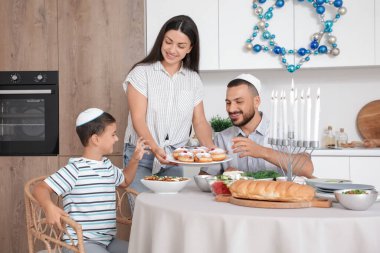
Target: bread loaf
{"x": 271, "y": 190}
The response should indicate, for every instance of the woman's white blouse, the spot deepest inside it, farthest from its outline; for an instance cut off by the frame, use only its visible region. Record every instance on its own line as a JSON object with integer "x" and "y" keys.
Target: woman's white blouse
{"x": 170, "y": 103}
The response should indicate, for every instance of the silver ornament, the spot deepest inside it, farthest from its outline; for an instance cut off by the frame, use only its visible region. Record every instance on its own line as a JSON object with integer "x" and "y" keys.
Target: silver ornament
{"x": 316, "y": 36}
{"x": 335, "y": 51}
{"x": 248, "y": 46}
{"x": 261, "y": 24}
{"x": 331, "y": 39}
{"x": 258, "y": 10}
{"x": 342, "y": 10}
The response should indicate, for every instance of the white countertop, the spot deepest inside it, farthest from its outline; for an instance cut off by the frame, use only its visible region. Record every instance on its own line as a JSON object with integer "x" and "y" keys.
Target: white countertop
{"x": 347, "y": 152}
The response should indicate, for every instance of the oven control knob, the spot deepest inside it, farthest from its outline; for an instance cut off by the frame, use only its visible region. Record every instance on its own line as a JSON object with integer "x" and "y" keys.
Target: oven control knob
{"x": 15, "y": 78}
{"x": 39, "y": 77}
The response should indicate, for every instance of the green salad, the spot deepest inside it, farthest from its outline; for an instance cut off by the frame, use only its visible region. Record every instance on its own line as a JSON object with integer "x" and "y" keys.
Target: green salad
{"x": 262, "y": 174}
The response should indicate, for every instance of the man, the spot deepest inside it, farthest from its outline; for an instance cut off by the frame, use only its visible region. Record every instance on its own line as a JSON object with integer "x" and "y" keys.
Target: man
{"x": 247, "y": 140}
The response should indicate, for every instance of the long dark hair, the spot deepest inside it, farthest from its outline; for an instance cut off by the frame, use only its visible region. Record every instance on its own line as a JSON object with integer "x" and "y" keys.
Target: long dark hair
{"x": 185, "y": 25}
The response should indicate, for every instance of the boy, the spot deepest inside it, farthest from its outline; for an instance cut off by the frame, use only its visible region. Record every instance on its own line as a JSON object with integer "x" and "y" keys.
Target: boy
{"x": 88, "y": 184}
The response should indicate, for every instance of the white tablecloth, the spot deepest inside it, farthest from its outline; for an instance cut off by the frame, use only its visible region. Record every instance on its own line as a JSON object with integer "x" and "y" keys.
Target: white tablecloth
{"x": 192, "y": 222}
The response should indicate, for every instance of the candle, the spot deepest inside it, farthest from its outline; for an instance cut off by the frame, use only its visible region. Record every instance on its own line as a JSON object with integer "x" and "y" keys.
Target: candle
{"x": 285, "y": 116}
{"x": 280, "y": 117}
{"x": 275, "y": 116}
{"x": 308, "y": 115}
{"x": 271, "y": 128}
{"x": 302, "y": 121}
{"x": 316, "y": 118}
{"x": 291, "y": 99}
{"x": 295, "y": 115}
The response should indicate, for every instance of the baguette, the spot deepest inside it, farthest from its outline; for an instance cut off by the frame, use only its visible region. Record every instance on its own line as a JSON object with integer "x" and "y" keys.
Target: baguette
{"x": 272, "y": 191}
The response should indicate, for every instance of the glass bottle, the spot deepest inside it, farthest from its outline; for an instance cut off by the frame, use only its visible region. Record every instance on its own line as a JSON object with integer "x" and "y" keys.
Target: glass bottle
{"x": 342, "y": 138}
{"x": 329, "y": 138}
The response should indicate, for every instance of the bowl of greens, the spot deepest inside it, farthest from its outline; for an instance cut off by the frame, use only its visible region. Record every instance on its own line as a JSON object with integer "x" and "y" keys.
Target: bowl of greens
{"x": 356, "y": 199}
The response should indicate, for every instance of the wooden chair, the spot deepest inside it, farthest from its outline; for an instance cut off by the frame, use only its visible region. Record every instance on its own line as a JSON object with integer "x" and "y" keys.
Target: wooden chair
{"x": 43, "y": 235}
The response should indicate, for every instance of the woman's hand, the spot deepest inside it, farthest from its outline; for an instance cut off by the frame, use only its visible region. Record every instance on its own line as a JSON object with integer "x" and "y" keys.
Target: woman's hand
{"x": 161, "y": 156}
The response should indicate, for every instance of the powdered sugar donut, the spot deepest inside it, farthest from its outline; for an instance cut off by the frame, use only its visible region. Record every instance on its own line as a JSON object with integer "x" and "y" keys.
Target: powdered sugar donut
{"x": 186, "y": 156}
{"x": 218, "y": 154}
{"x": 203, "y": 158}
{"x": 179, "y": 150}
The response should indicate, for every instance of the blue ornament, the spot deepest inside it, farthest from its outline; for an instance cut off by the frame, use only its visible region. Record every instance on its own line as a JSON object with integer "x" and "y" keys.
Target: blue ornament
{"x": 320, "y": 9}
{"x": 291, "y": 68}
{"x": 307, "y": 58}
{"x": 328, "y": 26}
{"x": 338, "y": 3}
{"x": 262, "y": 1}
{"x": 322, "y": 49}
{"x": 256, "y": 48}
{"x": 277, "y": 50}
{"x": 266, "y": 35}
{"x": 283, "y": 60}
{"x": 268, "y": 15}
{"x": 314, "y": 44}
{"x": 320, "y": 2}
{"x": 298, "y": 66}
{"x": 301, "y": 51}
{"x": 280, "y": 3}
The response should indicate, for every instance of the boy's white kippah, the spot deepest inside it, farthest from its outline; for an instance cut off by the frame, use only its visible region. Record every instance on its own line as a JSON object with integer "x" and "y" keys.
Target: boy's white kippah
{"x": 88, "y": 115}
{"x": 251, "y": 79}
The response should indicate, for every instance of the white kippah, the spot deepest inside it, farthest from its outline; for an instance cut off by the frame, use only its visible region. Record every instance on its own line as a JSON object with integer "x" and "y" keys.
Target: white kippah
{"x": 251, "y": 79}
{"x": 88, "y": 115}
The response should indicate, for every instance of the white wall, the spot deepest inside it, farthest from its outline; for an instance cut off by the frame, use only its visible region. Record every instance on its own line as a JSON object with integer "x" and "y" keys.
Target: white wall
{"x": 344, "y": 91}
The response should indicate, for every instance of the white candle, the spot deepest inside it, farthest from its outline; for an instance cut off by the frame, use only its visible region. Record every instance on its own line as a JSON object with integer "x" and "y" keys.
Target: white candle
{"x": 275, "y": 116}
{"x": 271, "y": 128}
{"x": 291, "y": 99}
{"x": 308, "y": 115}
{"x": 316, "y": 118}
{"x": 280, "y": 117}
{"x": 295, "y": 115}
{"x": 285, "y": 116}
{"x": 302, "y": 121}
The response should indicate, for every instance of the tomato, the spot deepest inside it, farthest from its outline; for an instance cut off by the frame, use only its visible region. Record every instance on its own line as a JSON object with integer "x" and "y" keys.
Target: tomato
{"x": 220, "y": 187}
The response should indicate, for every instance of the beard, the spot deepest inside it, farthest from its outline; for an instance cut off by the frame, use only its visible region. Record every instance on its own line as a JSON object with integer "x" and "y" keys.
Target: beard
{"x": 247, "y": 117}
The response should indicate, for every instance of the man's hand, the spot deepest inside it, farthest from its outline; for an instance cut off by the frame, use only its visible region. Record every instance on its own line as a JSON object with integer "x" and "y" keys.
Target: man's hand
{"x": 247, "y": 147}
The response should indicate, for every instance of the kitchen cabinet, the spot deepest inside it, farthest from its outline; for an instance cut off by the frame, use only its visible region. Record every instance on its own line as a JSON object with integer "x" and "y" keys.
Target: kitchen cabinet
{"x": 204, "y": 14}
{"x": 236, "y": 22}
{"x": 365, "y": 170}
{"x": 377, "y": 32}
{"x": 331, "y": 167}
{"x": 354, "y": 32}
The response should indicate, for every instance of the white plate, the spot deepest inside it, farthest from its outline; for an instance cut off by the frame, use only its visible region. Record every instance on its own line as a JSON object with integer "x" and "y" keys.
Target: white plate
{"x": 333, "y": 187}
{"x": 170, "y": 158}
{"x": 314, "y": 181}
{"x": 166, "y": 187}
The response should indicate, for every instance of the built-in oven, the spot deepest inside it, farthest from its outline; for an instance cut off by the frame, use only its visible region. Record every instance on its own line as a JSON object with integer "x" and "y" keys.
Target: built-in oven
{"x": 29, "y": 123}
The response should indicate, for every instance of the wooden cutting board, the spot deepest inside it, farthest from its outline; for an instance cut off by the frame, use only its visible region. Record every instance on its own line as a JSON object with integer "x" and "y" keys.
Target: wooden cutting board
{"x": 273, "y": 204}
{"x": 368, "y": 120}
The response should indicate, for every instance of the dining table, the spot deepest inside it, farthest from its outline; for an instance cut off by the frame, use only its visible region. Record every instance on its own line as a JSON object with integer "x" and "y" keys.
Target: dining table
{"x": 191, "y": 221}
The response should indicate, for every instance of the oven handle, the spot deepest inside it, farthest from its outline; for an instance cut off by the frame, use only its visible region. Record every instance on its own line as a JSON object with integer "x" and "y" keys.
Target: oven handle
{"x": 24, "y": 92}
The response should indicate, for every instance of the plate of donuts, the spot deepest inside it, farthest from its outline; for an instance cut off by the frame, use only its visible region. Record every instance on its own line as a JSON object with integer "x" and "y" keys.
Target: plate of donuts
{"x": 198, "y": 156}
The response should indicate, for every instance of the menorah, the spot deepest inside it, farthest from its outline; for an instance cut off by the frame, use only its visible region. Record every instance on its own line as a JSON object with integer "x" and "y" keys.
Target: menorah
{"x": 291, "y": 141}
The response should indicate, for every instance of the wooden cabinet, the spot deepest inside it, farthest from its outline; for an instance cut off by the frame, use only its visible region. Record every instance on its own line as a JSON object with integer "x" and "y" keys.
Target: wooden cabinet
{"x": 377, "y": 32}
{"x": 354, "y": 32}
{"x": 331, "y": 167}
{"x": 204, "y": 14}
{"x": 365, "y": 170}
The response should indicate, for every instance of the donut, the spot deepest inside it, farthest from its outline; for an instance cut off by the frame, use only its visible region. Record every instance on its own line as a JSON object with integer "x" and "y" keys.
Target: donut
{"x": 185, "y": 156}
{"x": 202, "y": 158}
{"x": 198, "y": 150}
{"x": 218, "y": 154}
{"x": 179, "y": 150}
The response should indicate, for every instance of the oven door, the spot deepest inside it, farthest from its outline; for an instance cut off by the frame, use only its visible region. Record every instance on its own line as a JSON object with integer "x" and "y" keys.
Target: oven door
{"x": 29, "y": 120}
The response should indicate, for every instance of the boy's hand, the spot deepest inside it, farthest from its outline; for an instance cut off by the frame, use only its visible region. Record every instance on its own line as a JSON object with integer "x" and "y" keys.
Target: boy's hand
{"x": 53, "y": 215}
{"x": 141, "y": 149}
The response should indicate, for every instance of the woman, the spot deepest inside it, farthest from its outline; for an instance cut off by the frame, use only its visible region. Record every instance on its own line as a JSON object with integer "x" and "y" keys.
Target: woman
{"x": 165, "y": 94}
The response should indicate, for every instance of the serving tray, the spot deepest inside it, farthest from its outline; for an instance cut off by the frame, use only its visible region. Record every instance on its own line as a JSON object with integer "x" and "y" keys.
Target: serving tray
{"x": 323, "y": 203}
